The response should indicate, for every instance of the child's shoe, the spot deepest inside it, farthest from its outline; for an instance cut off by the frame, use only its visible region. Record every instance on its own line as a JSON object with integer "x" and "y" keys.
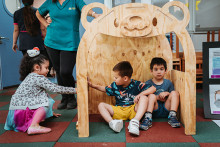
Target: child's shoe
{"x": 134, "y": 127}
{"x": 146, "y": 123}
{"x": 172, "y": 120}
{"x": 116, "y": 125}
{"x": 38, "y": 130}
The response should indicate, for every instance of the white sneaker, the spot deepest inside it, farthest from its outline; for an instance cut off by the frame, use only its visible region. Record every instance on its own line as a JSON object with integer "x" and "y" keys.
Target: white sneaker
{"x": 116, "y": 125}
{"x": 134, "y": 127}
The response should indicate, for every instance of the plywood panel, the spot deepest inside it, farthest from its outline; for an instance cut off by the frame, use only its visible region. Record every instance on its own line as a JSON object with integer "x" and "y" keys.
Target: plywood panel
{"x": 178, "y": 79}
{"x": 106, "y": 51}
{"x": 133, "y": 32}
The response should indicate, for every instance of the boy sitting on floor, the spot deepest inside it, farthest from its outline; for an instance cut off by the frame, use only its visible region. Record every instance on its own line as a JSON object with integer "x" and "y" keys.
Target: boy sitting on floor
{"x": 167, "y": 99}
{"x": 129, "y": 105}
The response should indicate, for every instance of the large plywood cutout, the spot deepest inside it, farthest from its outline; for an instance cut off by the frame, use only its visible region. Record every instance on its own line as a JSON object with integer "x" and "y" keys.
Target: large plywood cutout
{"x": 134, "y": 32}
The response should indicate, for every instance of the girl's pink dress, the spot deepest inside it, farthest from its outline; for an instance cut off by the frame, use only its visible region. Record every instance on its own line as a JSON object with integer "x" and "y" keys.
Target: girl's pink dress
{"x": 20, "y": 120}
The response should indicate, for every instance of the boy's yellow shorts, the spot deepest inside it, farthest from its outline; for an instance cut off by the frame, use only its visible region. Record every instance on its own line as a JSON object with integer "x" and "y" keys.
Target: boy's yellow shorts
{"x": 124, "y": 113}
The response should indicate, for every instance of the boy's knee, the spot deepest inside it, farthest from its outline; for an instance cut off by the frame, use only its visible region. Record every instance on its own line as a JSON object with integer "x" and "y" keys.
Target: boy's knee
{"x": 143, "y": 98}
{"x": 101, "y": 105}
{"x": 175, "y": 94}
{"x": 152, "y": 97}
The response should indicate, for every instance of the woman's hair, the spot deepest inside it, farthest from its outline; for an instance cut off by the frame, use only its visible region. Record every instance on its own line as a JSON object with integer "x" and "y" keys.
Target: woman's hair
{"x": 27, "y": 64}
{"x": 54, "y": 1}
{"x": 30, "y": 20}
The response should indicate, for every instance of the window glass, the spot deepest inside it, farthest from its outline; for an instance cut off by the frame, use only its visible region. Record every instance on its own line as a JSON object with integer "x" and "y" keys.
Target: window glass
{"x": 11, "y": 6}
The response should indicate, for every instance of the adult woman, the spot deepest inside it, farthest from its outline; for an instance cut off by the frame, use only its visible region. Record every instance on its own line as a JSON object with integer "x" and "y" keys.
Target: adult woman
{"x": 62, "y": 40}
{"x": 28, "y": 28}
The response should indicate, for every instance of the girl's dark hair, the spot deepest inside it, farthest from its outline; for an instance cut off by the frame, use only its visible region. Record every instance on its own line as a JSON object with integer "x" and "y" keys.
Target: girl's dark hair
{"x": 158, "y": 61}
{"x": 27, "y": 64}
{"x": 30, "y": 20}
{"x": 54, "y": 1}
{"x": 124, "y": 68}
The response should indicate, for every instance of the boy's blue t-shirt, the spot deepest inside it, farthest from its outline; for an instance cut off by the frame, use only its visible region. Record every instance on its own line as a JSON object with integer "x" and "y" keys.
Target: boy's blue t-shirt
{"x": 125, "y": 95}
{"x": 167, "y": 86}
{"x": 63, "y": 32}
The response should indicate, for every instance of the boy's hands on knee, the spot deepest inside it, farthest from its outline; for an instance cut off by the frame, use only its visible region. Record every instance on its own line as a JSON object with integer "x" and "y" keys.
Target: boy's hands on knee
{"x": 137, "y": 98}
{"x": 56, "y": 114}
{"x": 150, "y": 90}
{"x": 163, "y": 96}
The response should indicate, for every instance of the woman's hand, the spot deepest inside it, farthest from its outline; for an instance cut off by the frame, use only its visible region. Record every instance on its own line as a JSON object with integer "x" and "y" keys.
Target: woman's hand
{"x": 48, "y": 19}
{"x": 14, "y": 47}
{"x": 96, "y": 15}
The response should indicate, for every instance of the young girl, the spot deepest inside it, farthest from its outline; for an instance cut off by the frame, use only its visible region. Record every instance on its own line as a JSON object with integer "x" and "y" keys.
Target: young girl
{"x": 31, "y": 104}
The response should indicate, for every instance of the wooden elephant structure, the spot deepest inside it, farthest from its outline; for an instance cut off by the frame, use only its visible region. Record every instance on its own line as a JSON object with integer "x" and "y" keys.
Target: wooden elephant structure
{"x": 134, "y": 32}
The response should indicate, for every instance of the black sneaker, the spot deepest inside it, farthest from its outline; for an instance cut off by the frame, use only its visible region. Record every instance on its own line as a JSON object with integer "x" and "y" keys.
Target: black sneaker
{"x": 63, "y": 103}
{"x": 146, "y": 123}
{"x": 71, "y": 105}
{"x": 172, "y": 120}
{"x": 62, "y": 106}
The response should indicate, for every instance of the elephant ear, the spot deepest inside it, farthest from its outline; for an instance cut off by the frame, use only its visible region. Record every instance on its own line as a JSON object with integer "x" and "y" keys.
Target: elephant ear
{"x": 85, "y": 11}
{"x": 185, "y": 21}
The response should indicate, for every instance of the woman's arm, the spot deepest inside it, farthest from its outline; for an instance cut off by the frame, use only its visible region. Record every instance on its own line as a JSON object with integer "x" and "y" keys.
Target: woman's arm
{"x": 92, "y": 13}
{"x": 43, "y": 30}
{"x": 42, "y": 19}
{"x": 15, "y": 38}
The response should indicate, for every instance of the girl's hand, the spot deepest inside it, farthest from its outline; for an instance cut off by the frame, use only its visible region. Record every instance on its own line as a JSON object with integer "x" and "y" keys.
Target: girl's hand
{"x": 56, "y": 114}
{"x": 14, "y": 47}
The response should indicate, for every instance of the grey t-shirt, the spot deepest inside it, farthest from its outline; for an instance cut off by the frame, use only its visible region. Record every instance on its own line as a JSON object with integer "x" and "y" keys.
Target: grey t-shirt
{"x": 31, "y": 92}
{"x": 167, "y": 85}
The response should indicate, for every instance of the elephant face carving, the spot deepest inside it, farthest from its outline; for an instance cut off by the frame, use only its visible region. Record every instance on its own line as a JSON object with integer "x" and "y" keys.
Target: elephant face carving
{"x": 136, "y": 26}
{"x": 136, "y": 20}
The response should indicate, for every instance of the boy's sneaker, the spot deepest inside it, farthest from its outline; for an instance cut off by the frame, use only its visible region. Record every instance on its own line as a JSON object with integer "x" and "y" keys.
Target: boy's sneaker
{"x": 116, "y": 125}
{"x": 134, "y": 127}
{"x": 172, "y": 120}
{"x": 146, "y": 123}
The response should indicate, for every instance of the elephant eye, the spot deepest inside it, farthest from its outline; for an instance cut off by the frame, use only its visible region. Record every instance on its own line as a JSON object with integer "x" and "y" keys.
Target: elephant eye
{"x": 116, "y": 22}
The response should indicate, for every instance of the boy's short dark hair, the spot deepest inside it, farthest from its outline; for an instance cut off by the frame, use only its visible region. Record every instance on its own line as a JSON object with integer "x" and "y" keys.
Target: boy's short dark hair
{"x": 158, "y": 61}
{"x": 124, "y": 68}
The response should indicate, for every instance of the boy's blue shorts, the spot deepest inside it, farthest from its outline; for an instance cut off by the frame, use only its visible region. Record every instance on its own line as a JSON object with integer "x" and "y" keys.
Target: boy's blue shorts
{"x": 161, "y": 111}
